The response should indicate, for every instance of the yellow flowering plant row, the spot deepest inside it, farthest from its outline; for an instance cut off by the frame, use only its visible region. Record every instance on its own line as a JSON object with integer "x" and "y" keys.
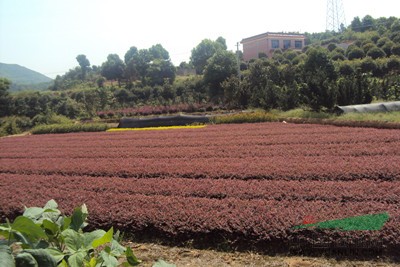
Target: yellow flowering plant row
{"x": 157, "y": 128}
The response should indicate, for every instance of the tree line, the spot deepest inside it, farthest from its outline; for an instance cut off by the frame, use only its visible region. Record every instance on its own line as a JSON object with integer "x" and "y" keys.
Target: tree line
{"x": 355, "y": 66}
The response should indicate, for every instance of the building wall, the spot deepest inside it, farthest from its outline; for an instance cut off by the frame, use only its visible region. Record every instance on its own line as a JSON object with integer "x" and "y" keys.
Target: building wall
{"x": 264, "y": 44}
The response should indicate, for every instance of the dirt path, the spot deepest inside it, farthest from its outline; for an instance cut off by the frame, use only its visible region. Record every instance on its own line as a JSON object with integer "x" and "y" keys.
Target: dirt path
{"x": 150, "y": 253}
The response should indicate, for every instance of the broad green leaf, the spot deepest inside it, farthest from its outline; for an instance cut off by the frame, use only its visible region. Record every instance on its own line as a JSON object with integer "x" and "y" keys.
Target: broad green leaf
{"x": 117, "y": 236}
{"x": 6, "y": 259}
{"x": 25, "y": 259}
{"x": 107, "y": 249}
{"x": 5, "y": 248}
{"x": 64, "y": 222}
{"x": 116, "y": 249}
{"x": 92, "y": 262}
{"x": 78, "y": 218}
{"x": 50, "y": 227}
{"x": 33, "y": 213}
{"x": 76, "y": 259}
{"x": 108, "y": 260}
{"x": 43, "y": 258}
{"x": 131, "y": 258}
{"x": 41, "y": 244}
{"x": 89, "y": 237}
{"x": 63, "y": 264}
{"x": 51, "y": 204}
{"x": 57, "y": 254}
{"x": 161, "y": 263}
{"x": 37, "y": 214}
{"x": 51, "y": 215}
{"x": 26, "y": 226}
{"x": 106, "y": 238}
{"x": 5, "y": 230}
{"x": 73, "y": 240}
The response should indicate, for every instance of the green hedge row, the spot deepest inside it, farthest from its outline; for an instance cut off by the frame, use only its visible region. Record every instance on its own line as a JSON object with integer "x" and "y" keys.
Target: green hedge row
{"x": 245, "y": 117}
{"x": 69, "y": 128}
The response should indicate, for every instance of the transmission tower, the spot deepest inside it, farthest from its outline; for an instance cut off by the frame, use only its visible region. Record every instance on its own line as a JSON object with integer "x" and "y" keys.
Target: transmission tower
{"x": 335, "y": 15}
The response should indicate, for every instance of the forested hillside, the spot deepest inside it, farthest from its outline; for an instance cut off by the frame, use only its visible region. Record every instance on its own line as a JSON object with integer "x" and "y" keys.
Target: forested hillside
{"x": 356, "y": 66}
{"x": 23, "y": 78}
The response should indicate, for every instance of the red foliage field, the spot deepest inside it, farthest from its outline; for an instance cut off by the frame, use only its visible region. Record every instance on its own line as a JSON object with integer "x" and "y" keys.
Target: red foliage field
{"x": 244, "y": 183}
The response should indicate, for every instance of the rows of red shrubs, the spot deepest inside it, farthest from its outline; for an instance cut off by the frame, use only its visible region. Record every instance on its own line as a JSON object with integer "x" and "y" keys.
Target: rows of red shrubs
{"x": 243, "y": 183}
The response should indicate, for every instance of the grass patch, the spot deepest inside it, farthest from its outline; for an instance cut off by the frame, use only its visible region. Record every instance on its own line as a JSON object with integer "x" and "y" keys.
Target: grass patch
{"x": 69, "y": 128}
{"x": 381, "y": 120}
{"x": 246, "y": 117}
{"x": 304, "y": 114}
{"x": 393, "y": 116}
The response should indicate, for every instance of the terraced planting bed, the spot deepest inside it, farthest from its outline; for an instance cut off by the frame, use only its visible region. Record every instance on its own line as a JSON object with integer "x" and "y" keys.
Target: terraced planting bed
{"x": 239, "y": 185}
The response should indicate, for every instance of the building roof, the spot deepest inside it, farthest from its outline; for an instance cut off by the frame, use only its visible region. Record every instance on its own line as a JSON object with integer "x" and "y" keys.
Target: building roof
{"x": 272, "y": 34}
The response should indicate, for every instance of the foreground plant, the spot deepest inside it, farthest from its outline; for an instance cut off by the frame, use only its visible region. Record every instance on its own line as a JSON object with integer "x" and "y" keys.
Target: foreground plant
{"x": 42, "y": 237}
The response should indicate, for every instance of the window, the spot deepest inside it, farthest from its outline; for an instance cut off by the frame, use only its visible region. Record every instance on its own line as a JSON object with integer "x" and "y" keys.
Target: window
{"x": 298, "y": 44}
{"x": 286, "y": 44}
{"x": 275, "y": 43}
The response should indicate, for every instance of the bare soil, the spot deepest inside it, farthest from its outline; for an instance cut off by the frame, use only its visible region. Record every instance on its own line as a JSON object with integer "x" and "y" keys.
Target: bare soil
{"x": 149, "y": 253}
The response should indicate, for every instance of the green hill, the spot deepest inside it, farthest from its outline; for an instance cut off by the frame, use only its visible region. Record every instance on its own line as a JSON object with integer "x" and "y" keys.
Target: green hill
{"x": 23, "y": 78}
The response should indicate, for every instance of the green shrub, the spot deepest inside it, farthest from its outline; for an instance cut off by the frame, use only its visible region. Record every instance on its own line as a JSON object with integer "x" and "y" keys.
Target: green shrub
{"x": 250, "y": 117}
{"x": 14, "y": 125}
{"x": 50, "y": 118}
{"x": 69, "y": 128}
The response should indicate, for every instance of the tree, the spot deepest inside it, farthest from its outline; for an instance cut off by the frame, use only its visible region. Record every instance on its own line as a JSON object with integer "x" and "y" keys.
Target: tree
{"x": 222, "y": 41}
{"x": 354, "y": 53}
{"x": 158, "y": 52}
{"x": 160, "y": 70}
{"x": 142, "y": 62}
{"x": 346, "y": 69}
{"x": 130, "y": 54}
{"x": 376, "y": 52}
{"x": 262, "y": 84}
{"x": 396, "y": 49}
{"x": 319, "y": 76}
{"x": 368, "y": 65}
{"x": 202, "y": 52}
{"x": 356, "y": 24}
{"x": 84, "y": 64}
{"x": 219, "y": 67}
{"x": 4, "y": 97}
{"x": 113, "y": 68}
{"x": 393, "y": 64}
{"x": 233, "y": 95}
{"x": 331, "y": 46}
{"x": 368, "y": 23}
{"x": 130, "y": 62}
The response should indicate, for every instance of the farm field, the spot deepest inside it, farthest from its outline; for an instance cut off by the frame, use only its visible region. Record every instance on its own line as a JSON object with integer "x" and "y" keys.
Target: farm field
{"x": 238, "y": 185}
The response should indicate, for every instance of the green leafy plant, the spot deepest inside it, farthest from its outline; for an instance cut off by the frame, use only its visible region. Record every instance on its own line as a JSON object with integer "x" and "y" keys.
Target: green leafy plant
{"x": 69, "y": 128}
{"x": 44, "y": 237}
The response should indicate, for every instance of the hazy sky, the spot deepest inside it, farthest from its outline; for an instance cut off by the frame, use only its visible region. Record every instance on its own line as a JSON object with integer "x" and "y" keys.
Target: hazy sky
{"x": 47, "y": 35}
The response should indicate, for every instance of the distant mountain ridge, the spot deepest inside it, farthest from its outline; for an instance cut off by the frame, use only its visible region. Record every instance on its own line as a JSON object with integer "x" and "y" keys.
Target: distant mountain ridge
{"x": 23, "y": 78}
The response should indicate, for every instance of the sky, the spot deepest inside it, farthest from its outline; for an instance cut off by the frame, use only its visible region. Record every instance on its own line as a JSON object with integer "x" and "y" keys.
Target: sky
{"x": 47, "y": 35}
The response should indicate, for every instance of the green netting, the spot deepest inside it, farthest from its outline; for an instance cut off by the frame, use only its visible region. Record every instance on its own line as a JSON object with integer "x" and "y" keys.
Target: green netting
{"x": 178, "y": 120}
{"x": 357, "y": 223}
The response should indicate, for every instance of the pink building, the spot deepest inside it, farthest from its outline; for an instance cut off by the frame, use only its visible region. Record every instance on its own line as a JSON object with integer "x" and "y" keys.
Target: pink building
{"x": 268, "y": 42}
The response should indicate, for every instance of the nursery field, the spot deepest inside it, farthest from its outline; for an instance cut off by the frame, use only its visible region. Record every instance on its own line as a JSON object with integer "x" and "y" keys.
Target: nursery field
{"x": 239, "y": 185}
